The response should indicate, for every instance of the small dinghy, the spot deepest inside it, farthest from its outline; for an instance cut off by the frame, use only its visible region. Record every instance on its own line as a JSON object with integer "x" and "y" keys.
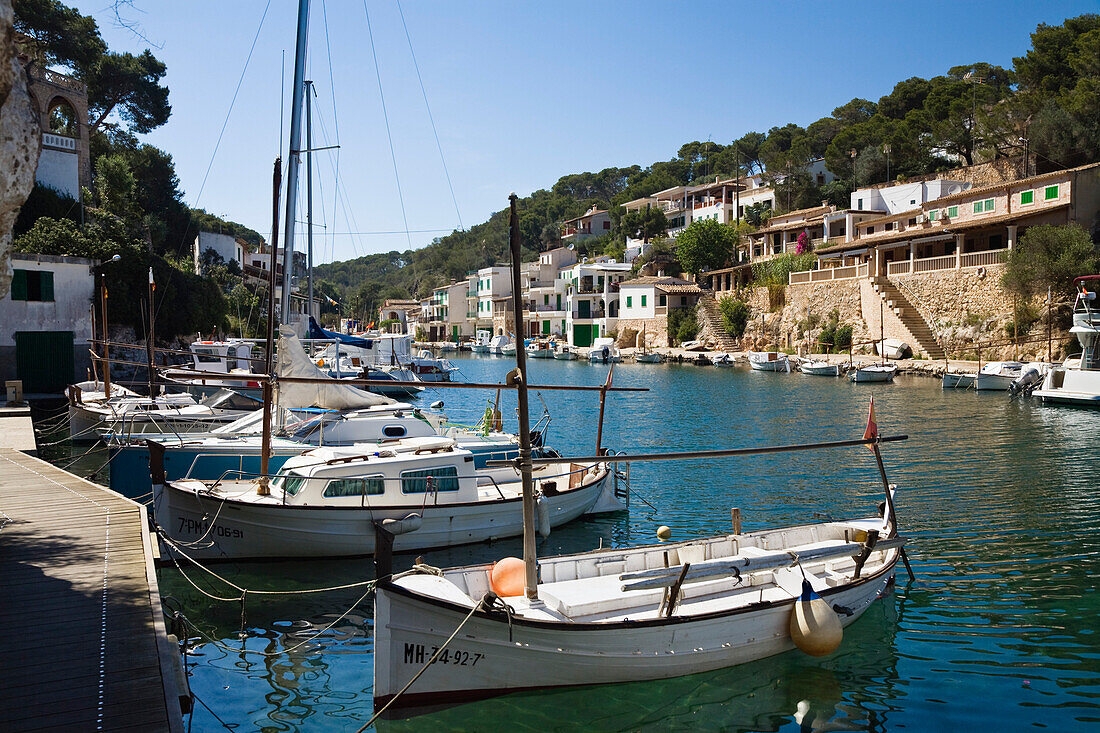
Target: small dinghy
{"x": 769, "y": 361}
{"x": 874, "y": 373}
{"x": 822, "y": 368}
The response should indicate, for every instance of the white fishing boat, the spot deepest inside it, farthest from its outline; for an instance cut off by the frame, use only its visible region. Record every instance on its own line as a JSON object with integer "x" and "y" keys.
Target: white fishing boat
{"x": 562, "y": 352}
{"x": 1077, "y": 380}
{"x": 958, "y": 380}
{"x": 873, "y": 373}
{"x": 508, "y": 350}
{"x": 87, "y": 419}
{"x": 231, "y": 357}
{"x": 769, "y": 361}
{"x": 693, "y": 346}
{"x": 329, "y": 502}
{"x": 498, "y": 342}
{"x": 723, "y": 360}
{"x": 429, "y": 368}
{"x": 540, "y": 349}
{"x": 820, "y": 368}
{"x": 892, "y": 349}
{"x": 997, "y": 375}
{"x": 604, "y": 351}
{"x": 140, "y": 417}
{"x": 480, "y": 344}
{"x": 649, "y": 357}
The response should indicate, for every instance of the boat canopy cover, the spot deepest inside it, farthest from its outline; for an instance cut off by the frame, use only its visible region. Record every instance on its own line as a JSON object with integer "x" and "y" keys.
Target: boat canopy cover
{"x": 293, "y": 362}
{"x": 316, "y": 332}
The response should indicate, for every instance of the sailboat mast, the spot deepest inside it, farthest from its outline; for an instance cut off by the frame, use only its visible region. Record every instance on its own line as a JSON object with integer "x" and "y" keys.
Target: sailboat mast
{"x": 295, "y": 148}
{"x": 309, "y": 201}
{"x": 531, "y": 575}
{"x": 269, "y": 345}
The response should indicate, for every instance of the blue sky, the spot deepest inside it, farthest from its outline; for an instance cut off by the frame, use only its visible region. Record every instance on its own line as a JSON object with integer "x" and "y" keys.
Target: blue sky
{"x": 521, "y": 92}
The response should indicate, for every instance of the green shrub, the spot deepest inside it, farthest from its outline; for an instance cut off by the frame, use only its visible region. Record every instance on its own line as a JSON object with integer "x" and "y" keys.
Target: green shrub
{"x": 682, "y": 325}
{"x": 735, "y": 316}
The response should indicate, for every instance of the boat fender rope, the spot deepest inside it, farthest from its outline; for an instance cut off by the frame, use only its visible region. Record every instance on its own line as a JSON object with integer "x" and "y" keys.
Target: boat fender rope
{"x": 492, "y": 602}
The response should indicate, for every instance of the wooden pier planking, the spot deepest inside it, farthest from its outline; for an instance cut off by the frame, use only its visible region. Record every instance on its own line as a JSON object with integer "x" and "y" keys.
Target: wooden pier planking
{"x": 63, "y": 542}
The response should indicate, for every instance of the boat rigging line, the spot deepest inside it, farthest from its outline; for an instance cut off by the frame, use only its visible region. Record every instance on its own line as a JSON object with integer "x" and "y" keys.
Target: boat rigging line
{"x": 386, "y": 117}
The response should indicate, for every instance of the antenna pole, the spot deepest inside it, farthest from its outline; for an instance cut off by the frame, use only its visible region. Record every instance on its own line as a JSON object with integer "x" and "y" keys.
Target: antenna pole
{"x": 524, "y": 461}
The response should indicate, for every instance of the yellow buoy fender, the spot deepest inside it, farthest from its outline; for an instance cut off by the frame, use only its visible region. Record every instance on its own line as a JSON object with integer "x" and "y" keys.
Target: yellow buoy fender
{"x": 542, "y": 511}
{"x": 663, "y": 532}
{"x": 815, "y": 627}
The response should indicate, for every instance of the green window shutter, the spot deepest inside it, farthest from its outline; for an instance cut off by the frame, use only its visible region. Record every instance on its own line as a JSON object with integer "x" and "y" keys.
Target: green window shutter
{"x": 989, "y": 205}
{"x": 628, "y": 299}
{"x": 1027, "y": 197}
{"x": 19, "y": 285}
{"x": 47, "y": 286}
{"x": 1051, "y": 192}
{"x": 643, "y": 301}
{"x": 662, "y": 300}
{"x": 953, "y": 212}
{"x": 977, "y": 207}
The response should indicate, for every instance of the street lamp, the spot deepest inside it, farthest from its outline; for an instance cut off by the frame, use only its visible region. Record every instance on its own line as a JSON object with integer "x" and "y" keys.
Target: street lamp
{"x": 886, "y": 149}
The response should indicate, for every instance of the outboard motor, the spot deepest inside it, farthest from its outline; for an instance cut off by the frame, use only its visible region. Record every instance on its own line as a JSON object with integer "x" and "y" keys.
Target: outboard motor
{"x": 606, "y": 353}
{"x": 1026, "y": 383}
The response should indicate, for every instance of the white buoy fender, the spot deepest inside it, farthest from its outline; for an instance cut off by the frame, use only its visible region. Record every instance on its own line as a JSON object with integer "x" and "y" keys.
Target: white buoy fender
{"x": 542, "y": 508}
{"x": 410, "y": 523}
{"x": 815, "y": 628}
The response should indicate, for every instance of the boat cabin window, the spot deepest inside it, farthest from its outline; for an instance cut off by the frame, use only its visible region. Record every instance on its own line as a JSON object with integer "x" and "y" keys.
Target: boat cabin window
{"x": 394, "y": 431}
{"x": 206, "y": 356}
{"x": 369, "y": 486}
{"x": 444, "y": 478}
{"x": 290, "y": 483}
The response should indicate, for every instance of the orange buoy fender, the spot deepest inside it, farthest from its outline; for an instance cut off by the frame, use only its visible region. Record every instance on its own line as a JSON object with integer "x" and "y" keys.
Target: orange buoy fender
{"x": 506, "y": 577}
{"x": 815, "y": 627}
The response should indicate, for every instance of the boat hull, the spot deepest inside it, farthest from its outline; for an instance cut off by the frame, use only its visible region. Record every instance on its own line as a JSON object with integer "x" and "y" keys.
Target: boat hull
{"x": 491, "y": 657}
{"x": 865, "y": 376}
{"x": 244, "y": 530}
{"x": 958, "y": 381}
{"x": 994, "y": 382}
{"x": 827, "y": 370}
{"x": 777, "y": 365}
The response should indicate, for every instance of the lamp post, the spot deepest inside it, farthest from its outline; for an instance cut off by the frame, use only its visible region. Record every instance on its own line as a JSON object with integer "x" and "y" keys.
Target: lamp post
{"x": 886, "y": 149}
{"x": 106, "y": 358}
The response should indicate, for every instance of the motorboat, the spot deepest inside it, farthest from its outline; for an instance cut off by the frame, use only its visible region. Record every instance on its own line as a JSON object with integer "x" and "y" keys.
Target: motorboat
{"x": 893, "y": 349}
{"x": 873, "y": 373}
{"x": 480, "y": 344}
{"x": 138, "y": 417}
{"x": 693, "y": 346}
{"x": 769, "y": 361}
{"x": 540, "y": 349}
{"x": 604, "y": 350}
{"x": 723, "y": 360}
{"x": 821, "y": 368}
{"x": 232, "y": 358}
{"x": 331, "y": 502}
{"x": 1077, "y": 380}
{"x": 429, "y": 368}
{"x": 497, "y": 344}
{"x": 562, "y": 352}
{"x": 508, "y": 350}
{"x": 958, "y": 380}
{"x": 997, "y": 375}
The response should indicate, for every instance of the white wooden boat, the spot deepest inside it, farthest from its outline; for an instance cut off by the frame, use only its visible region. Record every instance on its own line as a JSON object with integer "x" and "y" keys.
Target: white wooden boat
{"x": 1077, "y": 381}
{"x": 958, "y": 380}
{"x": 562, "y": 352}
{"x": 540, "y": 349}
{"x": 649, "y": 357}
{"x": 232, "y": 357}
{"x": 508, "y": 350}
{"x": 327, "y": 502}
{"x": 480, "y": 344}
{"x": 723, "y": 360}
{"x": 822, "y": 368}
{"x": 140, "y": 417}
{"x": 497, "y": 344}
{"x": 89, "y": 418}
{"x": 874, "y": 373}
{"x": 693, "y": 346}
{"x": 892, "y": 349}
{"x": 997, "y": 375}
{"x": 604, "y": 350}
{"x": 602, "y": 617}
{"x": 429, "y": 368}
{"x": 769, "y": 361}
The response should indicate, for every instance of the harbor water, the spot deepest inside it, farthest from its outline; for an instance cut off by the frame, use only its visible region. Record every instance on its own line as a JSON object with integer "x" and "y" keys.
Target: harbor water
{"x": 997, "y": 495}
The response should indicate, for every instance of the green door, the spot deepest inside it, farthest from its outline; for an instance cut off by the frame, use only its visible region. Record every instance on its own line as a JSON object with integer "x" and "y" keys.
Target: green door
{"x": 584, "y": 309}
{"x": 582, "y": 335}
{"x": 546, "y": 328}
{"x": 44, "y": 360}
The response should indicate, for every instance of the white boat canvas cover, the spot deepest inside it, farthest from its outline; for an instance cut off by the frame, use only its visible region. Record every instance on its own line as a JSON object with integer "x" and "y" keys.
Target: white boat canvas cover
{"x": 293, "y": 362}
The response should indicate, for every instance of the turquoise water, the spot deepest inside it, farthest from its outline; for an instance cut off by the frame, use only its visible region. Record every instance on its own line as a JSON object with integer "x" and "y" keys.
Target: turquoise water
{"x": 998, "y": 497}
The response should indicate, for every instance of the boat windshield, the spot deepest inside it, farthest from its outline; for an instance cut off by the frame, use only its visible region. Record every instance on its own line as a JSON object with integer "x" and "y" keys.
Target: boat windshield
{"x": 306, "y": 428}
{"x": 290, "y": 483}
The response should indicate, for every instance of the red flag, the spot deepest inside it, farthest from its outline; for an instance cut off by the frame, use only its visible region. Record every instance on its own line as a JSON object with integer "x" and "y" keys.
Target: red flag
{"x": 871, "y": 433}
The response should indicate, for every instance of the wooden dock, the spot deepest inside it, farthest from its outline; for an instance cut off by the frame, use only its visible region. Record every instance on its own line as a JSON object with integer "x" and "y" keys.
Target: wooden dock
{"x": 82, "y": 638}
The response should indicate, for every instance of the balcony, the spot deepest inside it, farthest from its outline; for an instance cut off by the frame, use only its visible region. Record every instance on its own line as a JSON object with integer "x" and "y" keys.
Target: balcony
{"x": 61, "y": 142}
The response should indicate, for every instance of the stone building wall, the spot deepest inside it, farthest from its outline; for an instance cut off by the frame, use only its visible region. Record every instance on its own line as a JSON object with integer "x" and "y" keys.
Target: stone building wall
{"x": 656, "y": 332}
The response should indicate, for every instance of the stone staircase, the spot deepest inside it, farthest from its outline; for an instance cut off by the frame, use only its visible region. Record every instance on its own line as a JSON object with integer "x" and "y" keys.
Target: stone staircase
{"x": 921, "y": 337}
{"x": 711, "y": 330}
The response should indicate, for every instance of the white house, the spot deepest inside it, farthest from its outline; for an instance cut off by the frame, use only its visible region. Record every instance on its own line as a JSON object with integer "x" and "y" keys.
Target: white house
{"x": 645, "y": 302}
{"x": 229, "y": 248}
{"x": 592, "y": 307}
{"x": 46, "y": 321}
{"x": 592, "y": 223}
{"x": 546, "y": 293}
{"x": 492, "y": 282}
{"x": 898, "y": 197}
